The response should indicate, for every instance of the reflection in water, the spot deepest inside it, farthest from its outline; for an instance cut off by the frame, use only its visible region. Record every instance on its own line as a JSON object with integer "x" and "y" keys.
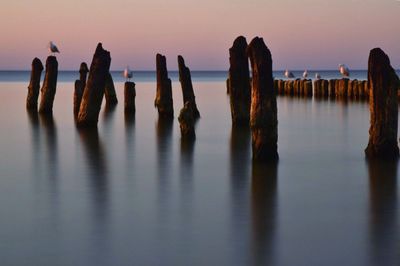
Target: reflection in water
{"x": 97, "y": 166}
{"x": 48, "y": 124}
{"x": 35, "y": 133}
{"x": 263, "y": 212}
{"x": 186, "y": 174}
{"x": 240, "y": 159}
{"x": 383, "y": 221}
{"x": 164, "y": 135}
{"x": 129, "y": 137}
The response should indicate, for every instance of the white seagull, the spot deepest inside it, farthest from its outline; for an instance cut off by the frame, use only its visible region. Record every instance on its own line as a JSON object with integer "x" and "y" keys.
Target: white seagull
{"x": 289, "y": 74}
{"x": 344, "y": 70}
{"x": 53, "y": 48}
{"x": 305, "y": 74}
{"x": 127, "y": 73}
{"x": 317, "y": 76}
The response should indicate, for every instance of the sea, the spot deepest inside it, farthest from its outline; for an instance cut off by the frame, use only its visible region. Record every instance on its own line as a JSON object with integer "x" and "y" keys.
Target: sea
{"x": 132, "y": 192}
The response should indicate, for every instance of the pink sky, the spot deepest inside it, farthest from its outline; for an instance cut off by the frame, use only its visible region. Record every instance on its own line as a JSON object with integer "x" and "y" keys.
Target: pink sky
{"x": 312, "y": 34}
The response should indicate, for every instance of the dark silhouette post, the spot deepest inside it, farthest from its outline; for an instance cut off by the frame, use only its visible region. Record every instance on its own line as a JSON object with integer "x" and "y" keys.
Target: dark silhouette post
{"x": 186, "y": 122}
{"x": 187, "y": 87}
{"x": 383, "y": 105}
{"x": 239, "y": 82}
{"x": 49, "y": 86}
{"x": 163, "y": 101}
{"x": 263, "y": 113}
{"x": 109, "y": 91}
{"x": 34, "y": 85}
{"x": 94, "y": 90}
{"x": 80, "y": 87}
{"x": 129, "y": 97}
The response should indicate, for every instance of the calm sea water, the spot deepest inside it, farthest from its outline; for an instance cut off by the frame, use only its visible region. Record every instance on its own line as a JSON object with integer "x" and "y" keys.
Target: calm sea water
{"x": 132, "y": 193}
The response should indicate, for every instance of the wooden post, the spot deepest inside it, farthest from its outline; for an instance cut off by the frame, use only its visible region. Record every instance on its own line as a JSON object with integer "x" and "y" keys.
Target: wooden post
{"x": 109, "y": 91}
{"x": 129, "y": 97}
{"x": 94, "y": 91}
{"x": 383, "y": 105}
{"x": 263, "y": 112}
{"x": 49, "y": 86}
{"x": 187, "y": 86}
{"x": 239, "y": 82}
{"x": 163, "y": 100}
{"x": 186, "y": 122}
{"x": 34, "y": 85}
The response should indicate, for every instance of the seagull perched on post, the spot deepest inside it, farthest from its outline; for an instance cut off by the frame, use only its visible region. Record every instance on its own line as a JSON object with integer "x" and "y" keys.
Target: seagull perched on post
{"x": 289, "y": 74}
{"x": 344, "y": 70}
{"x": 317, "y": 76}
{"x": 127, "y": 73}
{"x": 305, "y": 74}
{"x": 53, "y": 48}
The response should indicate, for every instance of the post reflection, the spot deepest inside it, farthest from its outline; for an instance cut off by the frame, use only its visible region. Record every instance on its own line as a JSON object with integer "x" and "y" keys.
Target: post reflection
{"x": 383, "y": 221}
{"x": 164, "y": 154}
{"x": 263, "y": 212}
{"x": 186, "y": 174}
{"x": 97, "y": 170}
{"x": 129, "y": 137}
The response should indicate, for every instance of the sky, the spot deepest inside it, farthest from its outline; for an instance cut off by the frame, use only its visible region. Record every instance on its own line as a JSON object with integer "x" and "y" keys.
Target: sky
{"x": 301, "y": 34}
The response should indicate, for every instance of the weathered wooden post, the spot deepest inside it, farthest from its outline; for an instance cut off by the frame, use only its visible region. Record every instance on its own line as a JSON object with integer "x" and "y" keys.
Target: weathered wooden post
{"x": 383, "y": 106}
{"x": 317, "y": 88}
{"x": 343, "y": 88}
{"x": 80, "y": 87}
{"x": 187, "y": 86}
{"x": 129, "y": 97}
{"x": 34, "y": 85}
{"x": 163, "y": 101}
{"x": 239, "y": 82}
{"x": 263, "y": 112}
{"x": 109, "y": 91}
{"x": 94, "y": 90}
{"x": 186, "y": 122}
{"x": 48, "y": 90}
{"x": 324, "y": 88}
{"x": 332, "y": 88}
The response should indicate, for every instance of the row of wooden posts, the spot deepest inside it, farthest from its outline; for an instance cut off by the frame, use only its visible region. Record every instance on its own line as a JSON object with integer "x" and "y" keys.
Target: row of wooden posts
{"x": 253, "y": 101}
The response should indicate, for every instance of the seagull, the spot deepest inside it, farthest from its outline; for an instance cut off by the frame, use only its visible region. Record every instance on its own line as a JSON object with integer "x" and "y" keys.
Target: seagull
{"x": 289, "y": 74}
{"x": 53, "y": 48}
{"x": 344, "y": 70}
{"x": 317, "y": 76}
{"x": 305, "y": 74}
{"x": 127, "y": 73}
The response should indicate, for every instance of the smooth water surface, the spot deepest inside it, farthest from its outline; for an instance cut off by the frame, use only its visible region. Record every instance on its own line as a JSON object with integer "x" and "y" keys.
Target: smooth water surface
{"x": 132, "y": 193}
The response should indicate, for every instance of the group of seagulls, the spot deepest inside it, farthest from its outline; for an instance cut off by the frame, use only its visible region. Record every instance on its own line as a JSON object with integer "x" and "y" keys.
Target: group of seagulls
{"x": 343, "y": 69}
{"x": 53, "y": 49}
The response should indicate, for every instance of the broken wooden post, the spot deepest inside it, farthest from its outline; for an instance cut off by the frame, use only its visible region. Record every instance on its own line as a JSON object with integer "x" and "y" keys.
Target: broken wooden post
{"x": 109, "y": 91}
{"x": 80, "y": 87}
{"x": 48, "y": 90}
{"x": 163, "y": 100}
{"x": 263, "y": 112}
{"x": 383, "y": 106}
{"x": 129, "y": 97}
{"x": 186, "y": 122}
{"x": 94, "y": 90}
{"x": 239, "y": 82}
{"x": 187, "y": 86}
{"x": 34, "y": 85}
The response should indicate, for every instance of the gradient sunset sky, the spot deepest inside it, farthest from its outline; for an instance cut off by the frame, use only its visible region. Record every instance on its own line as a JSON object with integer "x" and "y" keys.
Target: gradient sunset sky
{"x": 312, "y": 34}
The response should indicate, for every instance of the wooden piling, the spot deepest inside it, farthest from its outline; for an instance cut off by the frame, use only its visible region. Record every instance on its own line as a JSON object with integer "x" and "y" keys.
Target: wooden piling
{"x": 163, "y": 101}
{"x": 263, "y": 112}
{"x": 109, "y": 91}
{"x": 34, "y": 85}
{"x": 186, "y": 121}
{"x": 383, "y": 83}
{"x": 129, "y": 97}
{"x": 49, "y": 87}
{"x": 94, "y": 90}
{"x": 187, "y": 87}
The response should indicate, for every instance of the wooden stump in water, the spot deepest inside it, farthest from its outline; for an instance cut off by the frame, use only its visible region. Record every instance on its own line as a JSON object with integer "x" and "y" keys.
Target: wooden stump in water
{"x": 34, "y": 85}
{"x": 332, "y": 88}
{"x": 83, "y": 70}
{"x": 48, "y": 90}
{"x": 163, "y": 101}
{"x": 109, "y": 91}
{"x": 80, "y": 87}
{"x": 263, "y": 112}
{"x": 94, "y": 90}
{"x": 239, "y": 82}
{"x": 383, "y": 105}
{"x": 129, "y": 97}
{"x": 187, "y": 86}
{"x": 186, "y": 122}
